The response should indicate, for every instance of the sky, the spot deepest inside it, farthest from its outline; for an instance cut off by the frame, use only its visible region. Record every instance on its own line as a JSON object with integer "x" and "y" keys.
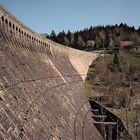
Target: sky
{"x": 43, "y": 16}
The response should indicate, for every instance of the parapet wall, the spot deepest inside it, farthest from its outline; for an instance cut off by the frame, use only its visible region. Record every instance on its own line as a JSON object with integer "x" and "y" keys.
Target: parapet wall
{"x": 41, "y": 92}
{"x": 13, "y": 27}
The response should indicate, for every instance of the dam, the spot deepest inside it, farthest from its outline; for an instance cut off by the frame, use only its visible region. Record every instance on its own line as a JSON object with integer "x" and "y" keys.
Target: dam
{"x": 42, "y": 93}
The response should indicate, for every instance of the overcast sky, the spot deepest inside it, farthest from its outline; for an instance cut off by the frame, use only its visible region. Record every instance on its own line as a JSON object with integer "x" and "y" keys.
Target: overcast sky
{"x": 43, "y": 16}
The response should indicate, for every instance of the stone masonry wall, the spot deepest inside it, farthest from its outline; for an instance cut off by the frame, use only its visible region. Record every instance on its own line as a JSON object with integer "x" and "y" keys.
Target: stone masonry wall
{"x": 41, "y": 92}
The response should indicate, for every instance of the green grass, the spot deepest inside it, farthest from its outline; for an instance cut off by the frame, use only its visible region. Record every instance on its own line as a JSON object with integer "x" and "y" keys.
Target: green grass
{"x": 128, "y": 117}
{"x": 133, "y": 59}
{"x": 88, "y": 85}
{"x": 88, "y": 88}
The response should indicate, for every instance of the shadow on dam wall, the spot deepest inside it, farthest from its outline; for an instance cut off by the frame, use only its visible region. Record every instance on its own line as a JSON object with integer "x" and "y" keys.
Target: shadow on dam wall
{"x": 41, "y": 86}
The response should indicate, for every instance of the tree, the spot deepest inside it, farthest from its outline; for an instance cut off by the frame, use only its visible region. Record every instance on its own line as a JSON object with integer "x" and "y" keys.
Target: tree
{"x": 60, "y": 37}
{"x": 104, "y": 36}
{"x": 116, "y": 60}
{"x": 138, "y": 30}
{"x": 69, "y": 37}
{"x": 66, "y": 41}
{"x": 53, "y": 35}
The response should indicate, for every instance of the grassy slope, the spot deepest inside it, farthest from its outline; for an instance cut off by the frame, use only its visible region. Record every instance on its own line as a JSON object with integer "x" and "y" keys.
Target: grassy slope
{"x": 132, "y": 59}
{"x": 128, "y": 117}
{"x": 90, "y": 91}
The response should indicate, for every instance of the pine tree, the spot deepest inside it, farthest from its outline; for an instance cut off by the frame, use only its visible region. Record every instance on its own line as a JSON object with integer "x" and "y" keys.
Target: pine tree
{"x": 104, "y": 36}
{"x": 116, "y": 60}
{"x": 53, "y": 36}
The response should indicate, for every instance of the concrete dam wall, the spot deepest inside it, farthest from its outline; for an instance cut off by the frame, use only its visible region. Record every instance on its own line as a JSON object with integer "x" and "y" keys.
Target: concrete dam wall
{"x": 41, "y": 86}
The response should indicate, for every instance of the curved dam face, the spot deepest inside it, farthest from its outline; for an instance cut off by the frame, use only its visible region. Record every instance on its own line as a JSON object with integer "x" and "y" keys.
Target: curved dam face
{"x": 41, "y": 87}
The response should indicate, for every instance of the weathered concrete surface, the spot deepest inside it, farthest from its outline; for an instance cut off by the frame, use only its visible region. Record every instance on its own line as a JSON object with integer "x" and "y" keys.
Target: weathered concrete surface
{"x": 79, "y": 59}
{"x": 41, "y": 91}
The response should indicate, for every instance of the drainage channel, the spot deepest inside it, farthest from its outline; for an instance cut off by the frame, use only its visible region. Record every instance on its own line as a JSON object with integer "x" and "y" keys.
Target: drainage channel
{"x": 108, "y": 124}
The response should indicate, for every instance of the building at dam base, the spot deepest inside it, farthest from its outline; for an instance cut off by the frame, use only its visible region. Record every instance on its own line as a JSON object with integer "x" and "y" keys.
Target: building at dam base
{"x": 41, "y": 86}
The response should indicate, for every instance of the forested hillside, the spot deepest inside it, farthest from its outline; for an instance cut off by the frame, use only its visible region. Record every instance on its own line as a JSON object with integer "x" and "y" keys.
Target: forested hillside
{"x": 97, "y": 37}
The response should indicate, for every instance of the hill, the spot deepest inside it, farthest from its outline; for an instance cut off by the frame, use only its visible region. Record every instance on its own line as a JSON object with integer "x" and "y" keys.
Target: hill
{"x": 99, "y": 37}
